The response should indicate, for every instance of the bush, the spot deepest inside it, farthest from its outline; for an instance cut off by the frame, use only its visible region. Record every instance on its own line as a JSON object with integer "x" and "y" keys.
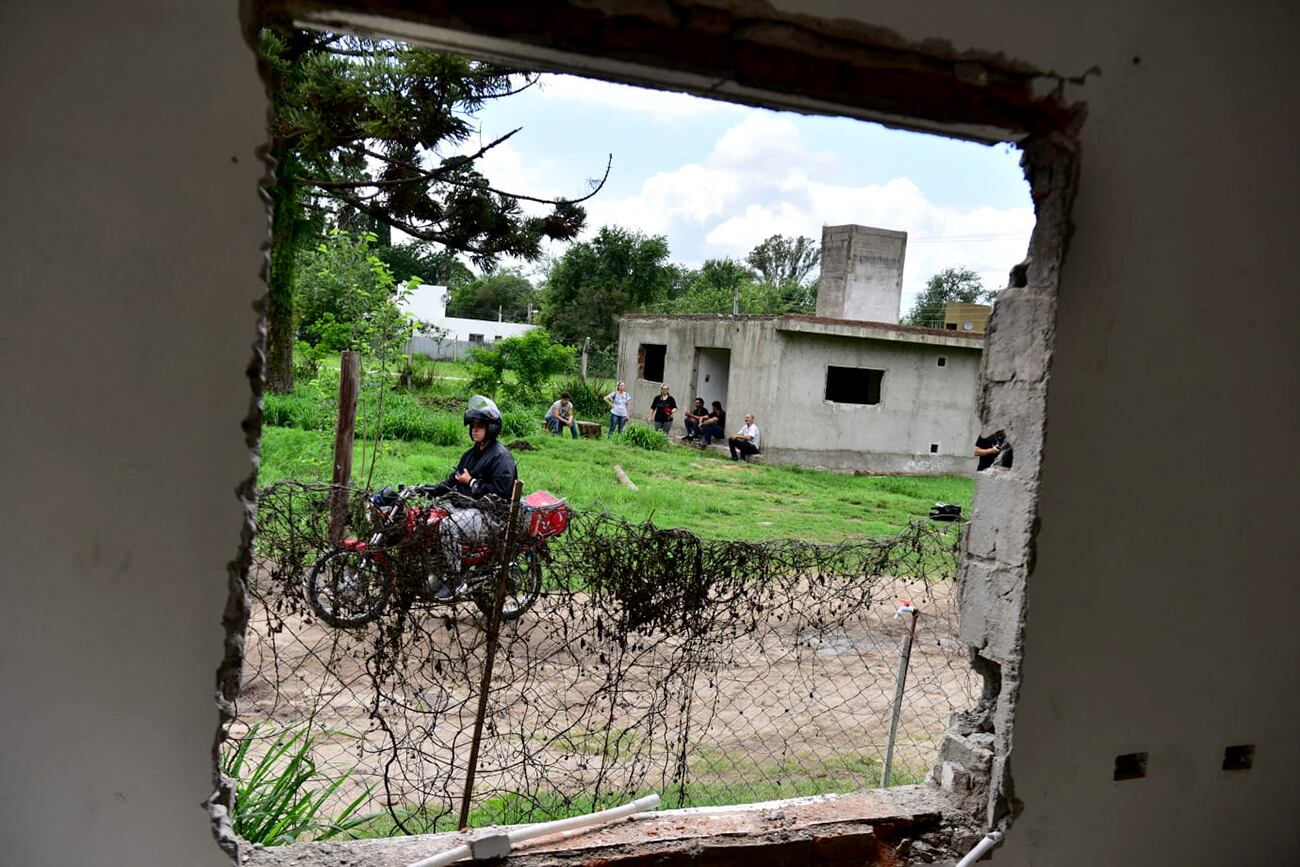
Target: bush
{"x": 276, "y": 799}
{"x": 520, "y": 424}
{"x": 304, "y": 409}
{"x": 420, "y": 373}
{"x": 642, "y": 437}
{"x": 589, "y": 400}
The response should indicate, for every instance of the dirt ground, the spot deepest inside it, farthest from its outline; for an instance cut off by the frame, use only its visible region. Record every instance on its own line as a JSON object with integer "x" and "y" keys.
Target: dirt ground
{"x": 798, "y": 703}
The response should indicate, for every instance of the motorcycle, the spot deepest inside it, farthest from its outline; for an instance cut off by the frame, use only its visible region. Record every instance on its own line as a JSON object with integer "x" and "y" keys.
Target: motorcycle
{"x": 351, "y": 584}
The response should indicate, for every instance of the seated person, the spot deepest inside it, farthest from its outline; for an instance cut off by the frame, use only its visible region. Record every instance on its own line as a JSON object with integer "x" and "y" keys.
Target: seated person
{"x": 561, "y": 415}
{"x": 694, "y": 416}
{"x": 485, "y": 472}
{"x": 713, "y": 425}
{"x": 744, "y": 442}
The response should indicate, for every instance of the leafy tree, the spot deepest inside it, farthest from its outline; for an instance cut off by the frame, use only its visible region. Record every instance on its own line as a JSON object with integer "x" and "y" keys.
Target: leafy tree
{"x": 951, "y": 284}
{"x": 597, "y": 281}
{"x": 426, "y": 264}
{"x": 715, "y": 285}
{"x": 343, "y": 289}
{"x": 373, "y": 126}
{"x": 508, "y": 292}
{"x": 788, "y": 264}
{"x": 533, "y": 358}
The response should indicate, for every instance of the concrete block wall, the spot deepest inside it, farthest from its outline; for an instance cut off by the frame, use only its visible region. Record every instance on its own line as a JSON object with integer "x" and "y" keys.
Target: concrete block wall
{"x": 861, "y": 273}
{"x": 999, "y": 543}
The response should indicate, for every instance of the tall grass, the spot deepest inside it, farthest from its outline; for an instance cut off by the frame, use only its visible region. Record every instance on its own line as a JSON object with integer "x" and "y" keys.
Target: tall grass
{"x": 679, "y": 487}
{"x": 277, "y": 795}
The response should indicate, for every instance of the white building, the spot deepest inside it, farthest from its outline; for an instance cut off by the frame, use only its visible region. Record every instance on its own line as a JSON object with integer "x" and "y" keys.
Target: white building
{"x": 454, "y": 336}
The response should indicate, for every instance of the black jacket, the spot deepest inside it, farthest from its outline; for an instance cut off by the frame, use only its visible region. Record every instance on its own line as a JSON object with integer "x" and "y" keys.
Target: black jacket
{"x": 492, "y": 473}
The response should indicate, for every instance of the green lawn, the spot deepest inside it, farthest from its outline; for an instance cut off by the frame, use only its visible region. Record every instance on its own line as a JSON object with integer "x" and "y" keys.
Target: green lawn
{"x": 681, "y": 487}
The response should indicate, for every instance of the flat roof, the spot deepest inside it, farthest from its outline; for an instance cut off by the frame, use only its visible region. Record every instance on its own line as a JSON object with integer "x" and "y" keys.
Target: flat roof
{"x": 804, "y": 324}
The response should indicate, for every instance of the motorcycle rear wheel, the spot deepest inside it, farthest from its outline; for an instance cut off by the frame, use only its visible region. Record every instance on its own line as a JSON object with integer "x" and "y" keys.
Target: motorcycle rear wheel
{"x": 347, "y": 588}
{"x": 523, "y": 587}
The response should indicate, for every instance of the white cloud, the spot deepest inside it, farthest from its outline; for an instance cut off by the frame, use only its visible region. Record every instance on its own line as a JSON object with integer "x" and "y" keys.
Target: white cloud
{"x": 665, "y": 106}
{"x": 761, "y": 178}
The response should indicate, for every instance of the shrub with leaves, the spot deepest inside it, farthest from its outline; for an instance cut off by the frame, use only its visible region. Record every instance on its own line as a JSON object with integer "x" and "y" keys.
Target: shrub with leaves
{"x": 642, "y": 437}
{"x": 278, "y": 798}
{"x": 533, "y": 358}
{"x": 589, "y": 399}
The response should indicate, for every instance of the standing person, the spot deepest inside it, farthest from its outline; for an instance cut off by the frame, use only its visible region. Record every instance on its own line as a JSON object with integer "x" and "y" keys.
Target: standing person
{"x": 485, "y": 473}
{"x": 744, "y": 442}
{"x": 694, "y": 416}
{"x": 618, "y": 399}
{"x": 713, "y": 425}
{"x": 561, "y": 415}
{"x": 988, "y": 448}
{"x": 662, "y": 409}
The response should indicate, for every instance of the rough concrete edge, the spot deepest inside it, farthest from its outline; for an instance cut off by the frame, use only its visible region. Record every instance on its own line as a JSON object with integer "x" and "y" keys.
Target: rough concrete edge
{"x": 1051, "y": 164}
{"x": 234, "y": 619}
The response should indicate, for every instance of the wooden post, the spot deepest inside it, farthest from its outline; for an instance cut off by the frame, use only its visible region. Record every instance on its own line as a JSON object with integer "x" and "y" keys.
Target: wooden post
{"x": 899, "y": 688}
{"x": 349, "y": 385}
{"x": 492, "y": 638}
{"x": 586, "y": 341}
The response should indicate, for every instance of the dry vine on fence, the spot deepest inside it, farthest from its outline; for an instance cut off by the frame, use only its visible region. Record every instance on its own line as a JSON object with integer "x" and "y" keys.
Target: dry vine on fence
{"x": 708, "y": 671}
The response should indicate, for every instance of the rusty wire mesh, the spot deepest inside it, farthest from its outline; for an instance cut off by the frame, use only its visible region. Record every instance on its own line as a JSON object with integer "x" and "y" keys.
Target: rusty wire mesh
{"x": 710, "y": 672}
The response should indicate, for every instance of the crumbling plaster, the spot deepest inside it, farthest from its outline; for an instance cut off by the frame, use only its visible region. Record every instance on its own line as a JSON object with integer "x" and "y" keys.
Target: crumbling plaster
{"x": 1161, "y": 600}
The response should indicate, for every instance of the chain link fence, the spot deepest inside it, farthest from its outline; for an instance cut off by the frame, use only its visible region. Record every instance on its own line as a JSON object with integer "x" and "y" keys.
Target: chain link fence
{"x": 707, "y": 671}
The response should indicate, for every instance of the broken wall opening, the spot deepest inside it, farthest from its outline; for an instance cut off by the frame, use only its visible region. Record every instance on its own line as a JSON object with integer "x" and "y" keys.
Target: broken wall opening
{"x": 875, "y": 76}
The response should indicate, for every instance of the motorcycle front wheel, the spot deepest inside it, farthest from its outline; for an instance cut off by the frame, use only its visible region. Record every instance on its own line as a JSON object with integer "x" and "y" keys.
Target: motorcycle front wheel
{"x": 524, "y": 585}
{"x": 347, "y": 588}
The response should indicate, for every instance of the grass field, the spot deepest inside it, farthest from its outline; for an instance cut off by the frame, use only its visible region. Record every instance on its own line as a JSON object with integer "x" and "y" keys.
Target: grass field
{"x": 681, "y": 487}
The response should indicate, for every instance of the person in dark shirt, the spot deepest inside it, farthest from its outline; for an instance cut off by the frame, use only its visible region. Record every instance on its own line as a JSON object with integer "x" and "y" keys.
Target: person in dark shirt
{"x": 713, "y": 425}
{"x": 662, "y": 409}
{"x": 485, "y": 473}
{"x": 989, "y": 448}
{"x": 694, "y": 416}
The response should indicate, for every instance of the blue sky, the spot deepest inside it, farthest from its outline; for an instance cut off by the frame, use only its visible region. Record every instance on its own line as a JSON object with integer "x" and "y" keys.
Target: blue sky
{"x": 717, "y": 178}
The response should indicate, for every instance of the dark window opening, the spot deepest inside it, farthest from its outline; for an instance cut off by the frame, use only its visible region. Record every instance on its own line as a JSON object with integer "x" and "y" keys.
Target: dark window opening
{"x": 1239, "y": 758}
{"x": 650, "y": 361}
{"x": 943, "y": 361}
{"x": 934, "y": 448}
{"x": 853, "y": 384}
{"x": 476, "y": 338}
{"x": 1131, "y": 766}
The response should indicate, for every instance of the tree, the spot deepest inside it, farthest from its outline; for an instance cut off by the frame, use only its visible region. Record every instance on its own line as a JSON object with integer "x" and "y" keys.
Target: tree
{"x": 597, "y": 281}
{"x": 788, "y": 264}
{"x": 508, "y": 293}
{"x": 533, "y": 358}
{"x": 346, "y": 295}
{"x": 421, "y": 260}
{"x": 714, "y": 288}
{"x": 959, "y": 284}
{"x": 374, "y": 127}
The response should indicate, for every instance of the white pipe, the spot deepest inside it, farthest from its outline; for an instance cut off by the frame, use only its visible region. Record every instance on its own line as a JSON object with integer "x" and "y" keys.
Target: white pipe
{"x": 990, "y": 840}
{"x": 523, "y": 833}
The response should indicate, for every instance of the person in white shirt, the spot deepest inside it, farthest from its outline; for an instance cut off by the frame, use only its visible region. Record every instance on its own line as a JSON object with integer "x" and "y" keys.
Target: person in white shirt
{"x": 561, "y": 415}
{"x": 618, "y": 400}
{"x": 744, "y": 442}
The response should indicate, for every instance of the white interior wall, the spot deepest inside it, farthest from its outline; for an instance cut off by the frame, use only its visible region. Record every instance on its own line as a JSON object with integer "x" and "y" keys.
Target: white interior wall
{"x": 1161, "y": 601}
{"x": 1161, "y": 605}
{"x": 130, "y": 237}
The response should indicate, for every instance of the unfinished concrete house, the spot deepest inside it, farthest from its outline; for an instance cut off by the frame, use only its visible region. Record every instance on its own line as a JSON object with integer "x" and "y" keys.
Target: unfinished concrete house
{"x": 848, "y": 389}
{"x": 1128, "y": 590}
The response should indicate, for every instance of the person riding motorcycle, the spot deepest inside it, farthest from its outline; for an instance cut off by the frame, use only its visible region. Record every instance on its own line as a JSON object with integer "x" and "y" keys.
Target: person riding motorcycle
{"x": 485, "y": 472}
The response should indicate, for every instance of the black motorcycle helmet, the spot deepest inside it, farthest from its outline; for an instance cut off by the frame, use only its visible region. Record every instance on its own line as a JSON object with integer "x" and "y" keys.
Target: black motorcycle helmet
{"x": 481, "y": 409}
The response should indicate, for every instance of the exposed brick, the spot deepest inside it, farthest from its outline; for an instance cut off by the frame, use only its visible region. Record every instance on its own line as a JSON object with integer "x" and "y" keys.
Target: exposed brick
{"x": 862, "y": 848}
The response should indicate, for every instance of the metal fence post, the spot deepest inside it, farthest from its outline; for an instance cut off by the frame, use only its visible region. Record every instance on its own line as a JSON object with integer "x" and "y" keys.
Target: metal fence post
{"x": 493, "y": 632}
{"x": 907, "y": 608}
